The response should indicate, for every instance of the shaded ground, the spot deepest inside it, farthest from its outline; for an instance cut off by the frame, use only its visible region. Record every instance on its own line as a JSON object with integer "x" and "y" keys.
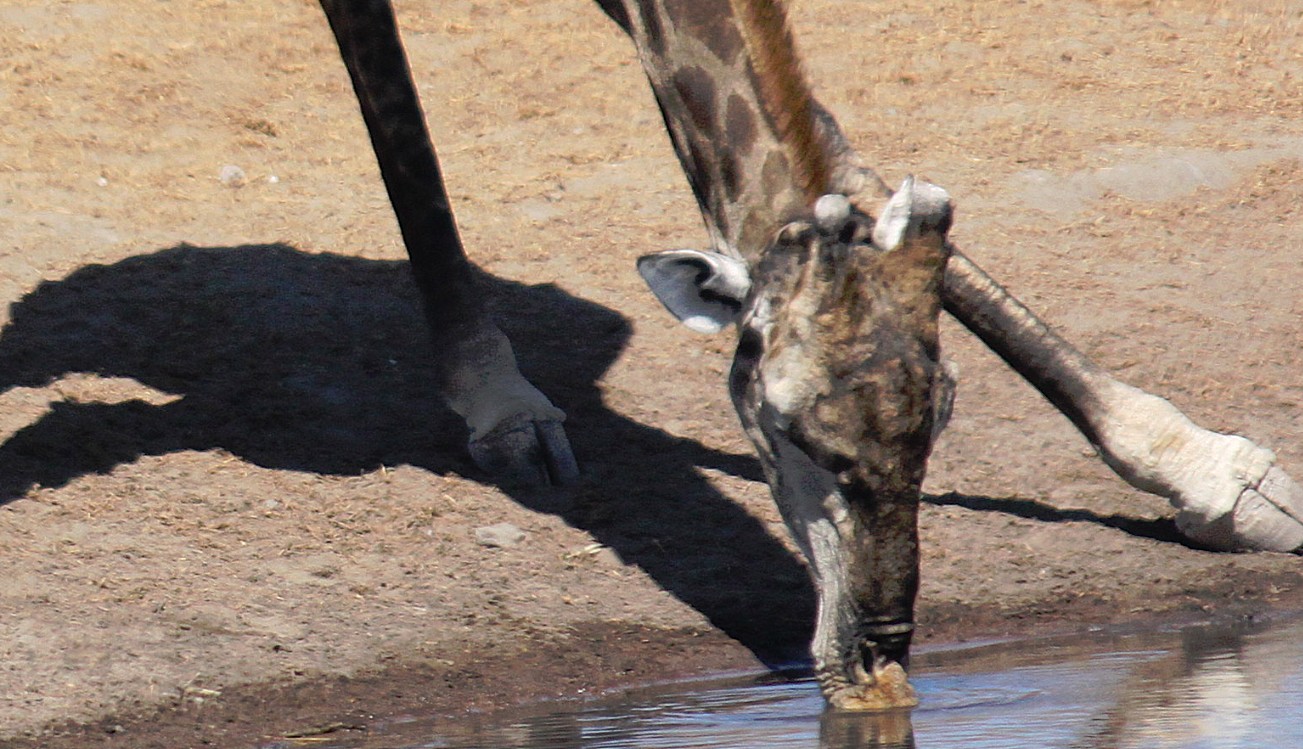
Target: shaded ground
{"x": 230, "y": 508}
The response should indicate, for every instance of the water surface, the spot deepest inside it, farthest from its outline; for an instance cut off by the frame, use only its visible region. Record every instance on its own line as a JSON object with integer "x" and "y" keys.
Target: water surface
{"x": 1205, "y": 687}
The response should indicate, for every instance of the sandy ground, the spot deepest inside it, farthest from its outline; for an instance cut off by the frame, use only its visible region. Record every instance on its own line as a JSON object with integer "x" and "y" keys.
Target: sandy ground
{"x": 231, "y": 507}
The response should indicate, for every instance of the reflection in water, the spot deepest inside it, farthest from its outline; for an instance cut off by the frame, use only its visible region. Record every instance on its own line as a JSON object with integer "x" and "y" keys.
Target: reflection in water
{"x": 1220, "y": 689}
{"x": 1198, "y": 688}
{"x": 892, "y": 730}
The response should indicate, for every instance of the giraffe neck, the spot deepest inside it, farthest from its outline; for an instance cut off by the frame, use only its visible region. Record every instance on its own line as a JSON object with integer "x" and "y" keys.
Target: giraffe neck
{"x": 756, "y": 146}
{"x": 784, "y": 93}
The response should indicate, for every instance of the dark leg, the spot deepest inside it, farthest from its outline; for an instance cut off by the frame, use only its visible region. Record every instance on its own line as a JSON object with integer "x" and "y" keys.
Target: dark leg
{"x": 515, "y": 432}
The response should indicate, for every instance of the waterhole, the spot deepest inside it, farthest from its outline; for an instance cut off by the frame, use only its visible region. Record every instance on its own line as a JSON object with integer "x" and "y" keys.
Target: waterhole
{"x": 1198, "y": 687}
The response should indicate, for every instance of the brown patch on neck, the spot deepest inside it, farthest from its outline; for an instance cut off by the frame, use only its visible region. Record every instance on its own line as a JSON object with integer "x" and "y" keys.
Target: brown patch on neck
{"x": 784, "y": 91}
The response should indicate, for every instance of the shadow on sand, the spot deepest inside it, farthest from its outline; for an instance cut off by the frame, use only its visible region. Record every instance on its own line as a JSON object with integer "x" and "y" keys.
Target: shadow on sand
{"x": 316, "y": 362}
{"x": 1154, "y": 529}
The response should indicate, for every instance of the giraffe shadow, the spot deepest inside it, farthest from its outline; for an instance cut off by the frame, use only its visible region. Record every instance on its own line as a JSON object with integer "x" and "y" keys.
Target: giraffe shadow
{"x": 1154, "y": 529}
{"x": 318, "y": 363}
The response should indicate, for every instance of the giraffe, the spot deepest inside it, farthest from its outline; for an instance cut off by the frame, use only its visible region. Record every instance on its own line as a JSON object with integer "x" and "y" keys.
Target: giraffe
{"x": 836, "y": 370}
{"x": 837, "y": 382}
{"x": 783, "y": 196}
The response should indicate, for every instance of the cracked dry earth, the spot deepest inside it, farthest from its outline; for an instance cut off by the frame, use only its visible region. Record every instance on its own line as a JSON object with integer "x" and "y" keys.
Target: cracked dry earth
{"x": 230, "y": 506}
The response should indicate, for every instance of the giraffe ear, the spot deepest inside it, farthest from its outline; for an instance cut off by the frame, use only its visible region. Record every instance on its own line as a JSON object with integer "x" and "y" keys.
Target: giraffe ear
{"x": 704, "y": 290}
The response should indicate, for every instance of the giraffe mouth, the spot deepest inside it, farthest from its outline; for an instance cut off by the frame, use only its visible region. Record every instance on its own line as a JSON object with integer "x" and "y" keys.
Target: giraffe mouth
{"x": 881, "y": 687}
{"x": 878, "y": 675}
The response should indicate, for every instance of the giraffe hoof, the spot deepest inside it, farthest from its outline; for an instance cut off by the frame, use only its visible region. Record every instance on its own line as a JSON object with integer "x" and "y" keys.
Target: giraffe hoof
{"x": 526, "y": 452}
{"x": 1266, "y": 517}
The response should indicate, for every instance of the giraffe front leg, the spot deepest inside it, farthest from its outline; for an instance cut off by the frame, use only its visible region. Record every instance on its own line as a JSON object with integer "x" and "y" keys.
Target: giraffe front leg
{"x": 1229, "y": 493}
{"x": 515, "y": 431}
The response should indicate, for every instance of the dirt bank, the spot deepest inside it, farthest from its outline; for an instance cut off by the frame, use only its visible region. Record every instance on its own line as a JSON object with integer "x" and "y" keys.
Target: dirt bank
{"x": 231, "y": 508}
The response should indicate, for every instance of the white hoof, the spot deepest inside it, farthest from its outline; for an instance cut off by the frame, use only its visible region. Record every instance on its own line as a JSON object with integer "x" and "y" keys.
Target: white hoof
{"x": 1228, "y": 492}
{"x": 1268, "y": 517}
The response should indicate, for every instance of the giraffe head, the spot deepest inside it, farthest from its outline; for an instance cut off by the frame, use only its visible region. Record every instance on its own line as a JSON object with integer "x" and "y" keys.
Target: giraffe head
{"x": 833, "y": 381}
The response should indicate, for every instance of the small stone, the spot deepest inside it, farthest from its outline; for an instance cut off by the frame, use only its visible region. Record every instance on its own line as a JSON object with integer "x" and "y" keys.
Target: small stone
{"x": 273, "y": 179}
{"x": 499, "y": 536}
{"x": 232, "y": 176}
{"x": 102, "y": 181}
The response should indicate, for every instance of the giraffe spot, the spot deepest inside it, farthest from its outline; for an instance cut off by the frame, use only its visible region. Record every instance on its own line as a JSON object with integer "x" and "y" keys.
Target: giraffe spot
{"x": 777, "y": 169}
{"x": 654, "y": 30}
{"x": 732, "y": 175}
{"x": 776, "y": 176}
{"x": 704, "y": 22}
{"x": 699, "y": 177}
{"x": 740, "y": 124}
{"x": 697, "y": 91}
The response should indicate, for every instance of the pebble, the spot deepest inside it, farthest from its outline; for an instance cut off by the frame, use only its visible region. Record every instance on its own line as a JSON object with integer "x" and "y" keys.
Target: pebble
{"x": 499, "y": 536}
{"x": 232, "y": 175}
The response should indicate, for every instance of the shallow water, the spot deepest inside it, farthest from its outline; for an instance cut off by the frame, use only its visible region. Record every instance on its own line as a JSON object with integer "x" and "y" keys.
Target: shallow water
{"x": 1194, "y": 688}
